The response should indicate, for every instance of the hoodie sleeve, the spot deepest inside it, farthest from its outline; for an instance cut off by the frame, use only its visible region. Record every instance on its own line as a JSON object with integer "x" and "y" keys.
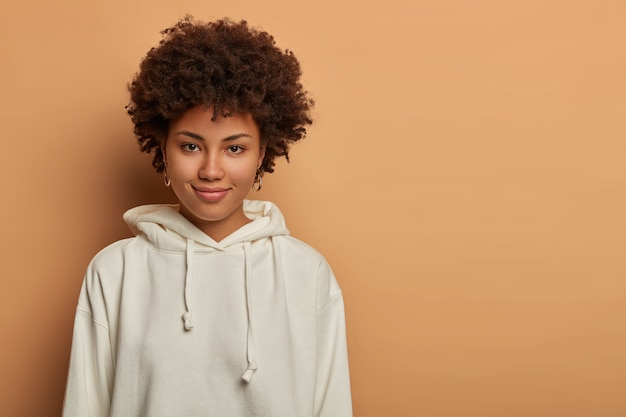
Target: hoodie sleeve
{"x": 88, "y": 391}
{"x": 332, "y": 391}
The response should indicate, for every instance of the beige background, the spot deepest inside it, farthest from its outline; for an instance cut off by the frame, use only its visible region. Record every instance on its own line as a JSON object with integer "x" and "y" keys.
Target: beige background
{"x": 465, "y": 178}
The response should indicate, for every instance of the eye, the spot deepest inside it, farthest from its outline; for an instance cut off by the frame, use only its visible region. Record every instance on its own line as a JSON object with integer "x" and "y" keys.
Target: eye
{"x": 235, "y": 149}
{"x": 191, "y": 147}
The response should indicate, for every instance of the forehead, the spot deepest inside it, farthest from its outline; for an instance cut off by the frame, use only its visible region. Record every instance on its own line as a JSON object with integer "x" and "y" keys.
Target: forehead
{"x": 200, "y": 119}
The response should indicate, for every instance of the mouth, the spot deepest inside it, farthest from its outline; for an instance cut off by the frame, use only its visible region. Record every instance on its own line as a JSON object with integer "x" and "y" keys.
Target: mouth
{"x": 211, "y": 194}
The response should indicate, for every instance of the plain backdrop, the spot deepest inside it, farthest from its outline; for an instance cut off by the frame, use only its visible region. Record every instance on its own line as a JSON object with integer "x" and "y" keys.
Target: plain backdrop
{"x": 465, "y": 178}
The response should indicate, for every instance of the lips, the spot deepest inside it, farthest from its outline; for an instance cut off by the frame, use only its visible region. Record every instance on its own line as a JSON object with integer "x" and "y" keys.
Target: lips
{"x": 211, "y": 194}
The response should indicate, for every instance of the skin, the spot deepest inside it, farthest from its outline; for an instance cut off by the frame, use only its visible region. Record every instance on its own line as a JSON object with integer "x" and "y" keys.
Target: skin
{"x": 211, "y": 166}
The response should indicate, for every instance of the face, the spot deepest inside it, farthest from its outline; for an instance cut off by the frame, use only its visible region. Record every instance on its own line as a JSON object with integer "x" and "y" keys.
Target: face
{"x": 212, "y": 165}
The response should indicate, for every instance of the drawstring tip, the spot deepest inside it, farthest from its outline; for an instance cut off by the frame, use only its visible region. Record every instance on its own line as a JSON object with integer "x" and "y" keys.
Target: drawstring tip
{"x": 187, "y": 320}
{"x": 247, "y": 376}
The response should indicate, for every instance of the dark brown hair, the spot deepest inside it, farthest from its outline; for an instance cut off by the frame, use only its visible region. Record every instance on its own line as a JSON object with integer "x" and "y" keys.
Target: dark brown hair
{"x": 228, "y": 65}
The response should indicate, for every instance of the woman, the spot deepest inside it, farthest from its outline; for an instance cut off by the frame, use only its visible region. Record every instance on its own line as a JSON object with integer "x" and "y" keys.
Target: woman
{"x": 212, "y": 309}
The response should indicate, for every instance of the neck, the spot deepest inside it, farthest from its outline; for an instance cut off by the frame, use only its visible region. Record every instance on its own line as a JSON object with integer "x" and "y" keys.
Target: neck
{"x": 217, "y": 229}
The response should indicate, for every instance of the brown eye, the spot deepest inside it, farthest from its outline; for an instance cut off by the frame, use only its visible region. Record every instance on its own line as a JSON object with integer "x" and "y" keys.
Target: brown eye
{"x": 191, "y": 147}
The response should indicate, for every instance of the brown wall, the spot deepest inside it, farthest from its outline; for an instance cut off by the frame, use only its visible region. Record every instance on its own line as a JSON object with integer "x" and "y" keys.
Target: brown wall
{"x": 465, "y": 178}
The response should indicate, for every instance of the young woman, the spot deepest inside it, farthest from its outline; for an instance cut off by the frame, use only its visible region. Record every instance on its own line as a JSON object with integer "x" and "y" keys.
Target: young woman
{"x": 212, "y": 309}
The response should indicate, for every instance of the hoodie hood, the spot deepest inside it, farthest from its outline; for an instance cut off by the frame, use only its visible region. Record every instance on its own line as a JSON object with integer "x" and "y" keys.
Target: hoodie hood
{"x": 168, "y": 230}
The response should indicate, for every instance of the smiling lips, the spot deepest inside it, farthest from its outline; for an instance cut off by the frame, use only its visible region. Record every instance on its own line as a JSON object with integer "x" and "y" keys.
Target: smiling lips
{"x": 211, "y": 194}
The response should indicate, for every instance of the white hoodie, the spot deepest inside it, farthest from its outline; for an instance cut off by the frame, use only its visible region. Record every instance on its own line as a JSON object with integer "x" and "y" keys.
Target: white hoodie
{"x": 171, "y": 323}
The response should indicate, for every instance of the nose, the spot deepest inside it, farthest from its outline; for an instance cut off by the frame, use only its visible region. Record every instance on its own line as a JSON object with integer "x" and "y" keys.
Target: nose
{"x": 211, "y": 168}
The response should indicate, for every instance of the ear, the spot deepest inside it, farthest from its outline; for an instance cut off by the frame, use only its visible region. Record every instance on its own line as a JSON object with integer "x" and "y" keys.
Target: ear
{"x": 261, "y": 157}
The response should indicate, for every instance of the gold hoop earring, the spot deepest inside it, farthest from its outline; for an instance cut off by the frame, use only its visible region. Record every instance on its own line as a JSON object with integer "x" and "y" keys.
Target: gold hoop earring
{"x": 258, "y": 180}
{"x": 166, "y": 179}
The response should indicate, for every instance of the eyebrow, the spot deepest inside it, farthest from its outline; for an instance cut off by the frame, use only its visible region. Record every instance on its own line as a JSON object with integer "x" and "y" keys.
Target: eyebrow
{"x": 199, "y": 137}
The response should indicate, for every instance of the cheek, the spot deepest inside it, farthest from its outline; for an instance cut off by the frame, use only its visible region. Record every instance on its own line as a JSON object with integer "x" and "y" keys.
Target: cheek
{"x": 246, "y": 174}
{"x": 181, "y": 170}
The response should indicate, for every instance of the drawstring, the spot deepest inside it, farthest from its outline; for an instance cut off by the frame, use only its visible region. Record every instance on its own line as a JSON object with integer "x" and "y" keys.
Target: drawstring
{"x": 250, "y": 353}
{"x": 188, "y": 286}
{"x": 187, "y": 315}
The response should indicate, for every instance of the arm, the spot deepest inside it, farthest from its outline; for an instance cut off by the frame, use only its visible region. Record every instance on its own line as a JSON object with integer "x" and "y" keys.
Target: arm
{"x": 332, "y": 391}
{"x": 88, "y": 391}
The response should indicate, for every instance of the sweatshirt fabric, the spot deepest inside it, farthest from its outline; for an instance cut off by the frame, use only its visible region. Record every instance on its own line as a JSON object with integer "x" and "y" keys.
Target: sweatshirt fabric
{"x": 172, "y": 323}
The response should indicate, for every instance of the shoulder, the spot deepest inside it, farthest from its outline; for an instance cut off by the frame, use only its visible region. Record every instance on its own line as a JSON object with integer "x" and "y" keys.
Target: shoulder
{"x": 299, "y": 256}
{"x": 112, "y": 255}
{"x": 107, "y": 268}
{"x": 296, "y": 251}
{"x": 103, "y": 280}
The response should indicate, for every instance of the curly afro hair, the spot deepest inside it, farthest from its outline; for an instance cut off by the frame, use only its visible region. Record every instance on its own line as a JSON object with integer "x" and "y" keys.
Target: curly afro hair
{"x": 229, "y": 66}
